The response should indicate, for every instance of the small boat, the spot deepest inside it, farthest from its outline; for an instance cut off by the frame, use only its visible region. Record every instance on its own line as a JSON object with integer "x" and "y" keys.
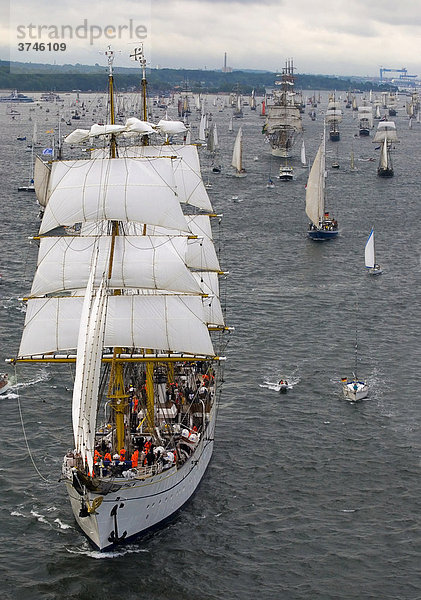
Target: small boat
{"x": 283, "y": 386}
{"x": 322, "y": 225}
{"x": 286, "y": 173}
{"x": 237, "y": 155}
{"x": 270, "y": 185}
{"x": 4, "y": 383}
{"x": 370, "y": 256}
{"x": 353, "y": 168}
{"x": 355, "y": 389}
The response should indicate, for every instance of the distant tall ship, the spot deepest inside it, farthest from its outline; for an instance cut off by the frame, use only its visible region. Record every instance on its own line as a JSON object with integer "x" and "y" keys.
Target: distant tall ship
{"x": 283, "y": 121}
{"x": 333, "y": 118}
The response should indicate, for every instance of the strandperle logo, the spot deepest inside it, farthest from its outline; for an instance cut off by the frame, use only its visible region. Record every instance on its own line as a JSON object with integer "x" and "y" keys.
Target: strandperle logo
{"x": 85, "y": 31}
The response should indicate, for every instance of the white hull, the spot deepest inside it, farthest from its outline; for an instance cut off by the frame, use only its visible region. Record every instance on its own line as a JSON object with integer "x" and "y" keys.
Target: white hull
{"x": 355, "y": 390}
{"x": 281, "y": 152}
{"x": 141, "y": 505}
{"x": 5, "y": 388}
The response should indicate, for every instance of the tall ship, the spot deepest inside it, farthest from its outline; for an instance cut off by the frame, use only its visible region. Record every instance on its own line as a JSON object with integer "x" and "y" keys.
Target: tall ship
{"x": 283, "y": 120}
{"x": 333, "y": 117}
{"x": 127, "y": 291}
{"x": 385, "y": 135}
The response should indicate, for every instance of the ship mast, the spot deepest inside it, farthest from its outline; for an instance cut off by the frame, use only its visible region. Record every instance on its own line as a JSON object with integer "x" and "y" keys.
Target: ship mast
{"x": 138, "y": 55}
{"x": 116, "y": 389}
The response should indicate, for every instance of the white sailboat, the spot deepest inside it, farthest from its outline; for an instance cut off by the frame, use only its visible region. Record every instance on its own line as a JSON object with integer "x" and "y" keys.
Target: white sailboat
{"x": 322, "y": 225}
{"x": 386, "y": 135}
{"x": 237, "y": 155}
{"x": 355, "y": 389}
{"x": 370, "y": 255}
{"x": 352, "y": 166}
{"x": 133, "y": 302}
{"x": 303, "y": 155}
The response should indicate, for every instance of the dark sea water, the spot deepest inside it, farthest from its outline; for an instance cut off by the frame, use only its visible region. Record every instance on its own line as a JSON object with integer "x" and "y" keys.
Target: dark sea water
{"x": 307, "y": 496}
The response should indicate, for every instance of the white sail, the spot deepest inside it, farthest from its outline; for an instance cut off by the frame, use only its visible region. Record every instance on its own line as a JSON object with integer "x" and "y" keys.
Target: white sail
{"x": 366, "y": 113}
{"x": 370, "y": 257}
{"x": 201, "y": 254}
{"x": 386, "y": 130}
{"x": 237, "y": 155}
{"x": 119, "y": 189}
{"x": 202, "y": 128}
{"x": 315, "y": 191}
{"x": 163, "y": 323}
{"x": 230, "y": 125}
{"x": 42, "y": 171}
{"x": 209, "y": 284}
{"x": 384, "y": 156}
{"x": 333, "y": 112}
{"x": 88, "y": 369}
{"x": 187, "y": 174}
{"x": 303, "y": 154}
{"x": 64, "y": 263}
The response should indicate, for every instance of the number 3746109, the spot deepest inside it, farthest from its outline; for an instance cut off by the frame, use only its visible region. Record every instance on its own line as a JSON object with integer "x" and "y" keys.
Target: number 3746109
{"x": 42, "y": 47}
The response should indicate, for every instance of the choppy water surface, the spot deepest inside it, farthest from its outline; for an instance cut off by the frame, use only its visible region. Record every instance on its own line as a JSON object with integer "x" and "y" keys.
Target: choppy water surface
{"x": 307, "y": 496}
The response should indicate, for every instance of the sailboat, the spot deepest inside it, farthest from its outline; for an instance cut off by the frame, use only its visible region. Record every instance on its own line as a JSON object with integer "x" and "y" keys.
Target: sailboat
{"x": 386, "y": 134}
{"x": 283, "y": 122}
{"x": 355, "y": 389}
{"x": 238, "y": 106}
{"x": 30, "y": 187}
{"x": 322, "y": 226}
{"x": 303, "y": 155}
{"x": 370, "y": 255}
{"x": 133, "y": 303}
{"x": 333, "y": 117}
{"x": 352, "y": 166}
{"x": 365, "y": 120}
{"x": 237, "y": 155}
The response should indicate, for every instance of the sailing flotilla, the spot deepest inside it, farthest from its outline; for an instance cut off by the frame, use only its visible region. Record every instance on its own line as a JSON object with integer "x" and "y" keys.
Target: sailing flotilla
{"x": 127, "y": 289}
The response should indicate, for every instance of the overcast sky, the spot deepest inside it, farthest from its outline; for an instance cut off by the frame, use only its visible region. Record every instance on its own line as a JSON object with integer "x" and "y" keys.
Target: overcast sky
{"x": 344, "y": 37}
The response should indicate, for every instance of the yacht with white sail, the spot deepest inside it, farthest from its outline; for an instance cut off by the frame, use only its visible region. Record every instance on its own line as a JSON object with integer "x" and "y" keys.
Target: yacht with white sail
{"x": 237, "y": 155}
{"x": 322, "y": 225}
{"x": 355, "y": 389}
{"x": 371, "y": 265}
{"x": 131, "y": 298}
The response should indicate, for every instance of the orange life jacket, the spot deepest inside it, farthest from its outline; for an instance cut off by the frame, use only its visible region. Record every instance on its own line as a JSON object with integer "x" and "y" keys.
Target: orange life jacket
{"x": 135, "y": 458}
{"x": 107, "y": 456}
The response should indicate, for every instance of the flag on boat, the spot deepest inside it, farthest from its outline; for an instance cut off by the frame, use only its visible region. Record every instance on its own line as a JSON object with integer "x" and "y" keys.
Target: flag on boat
{"x": 47, "y": 152}
{"x": 50, "y": 131}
